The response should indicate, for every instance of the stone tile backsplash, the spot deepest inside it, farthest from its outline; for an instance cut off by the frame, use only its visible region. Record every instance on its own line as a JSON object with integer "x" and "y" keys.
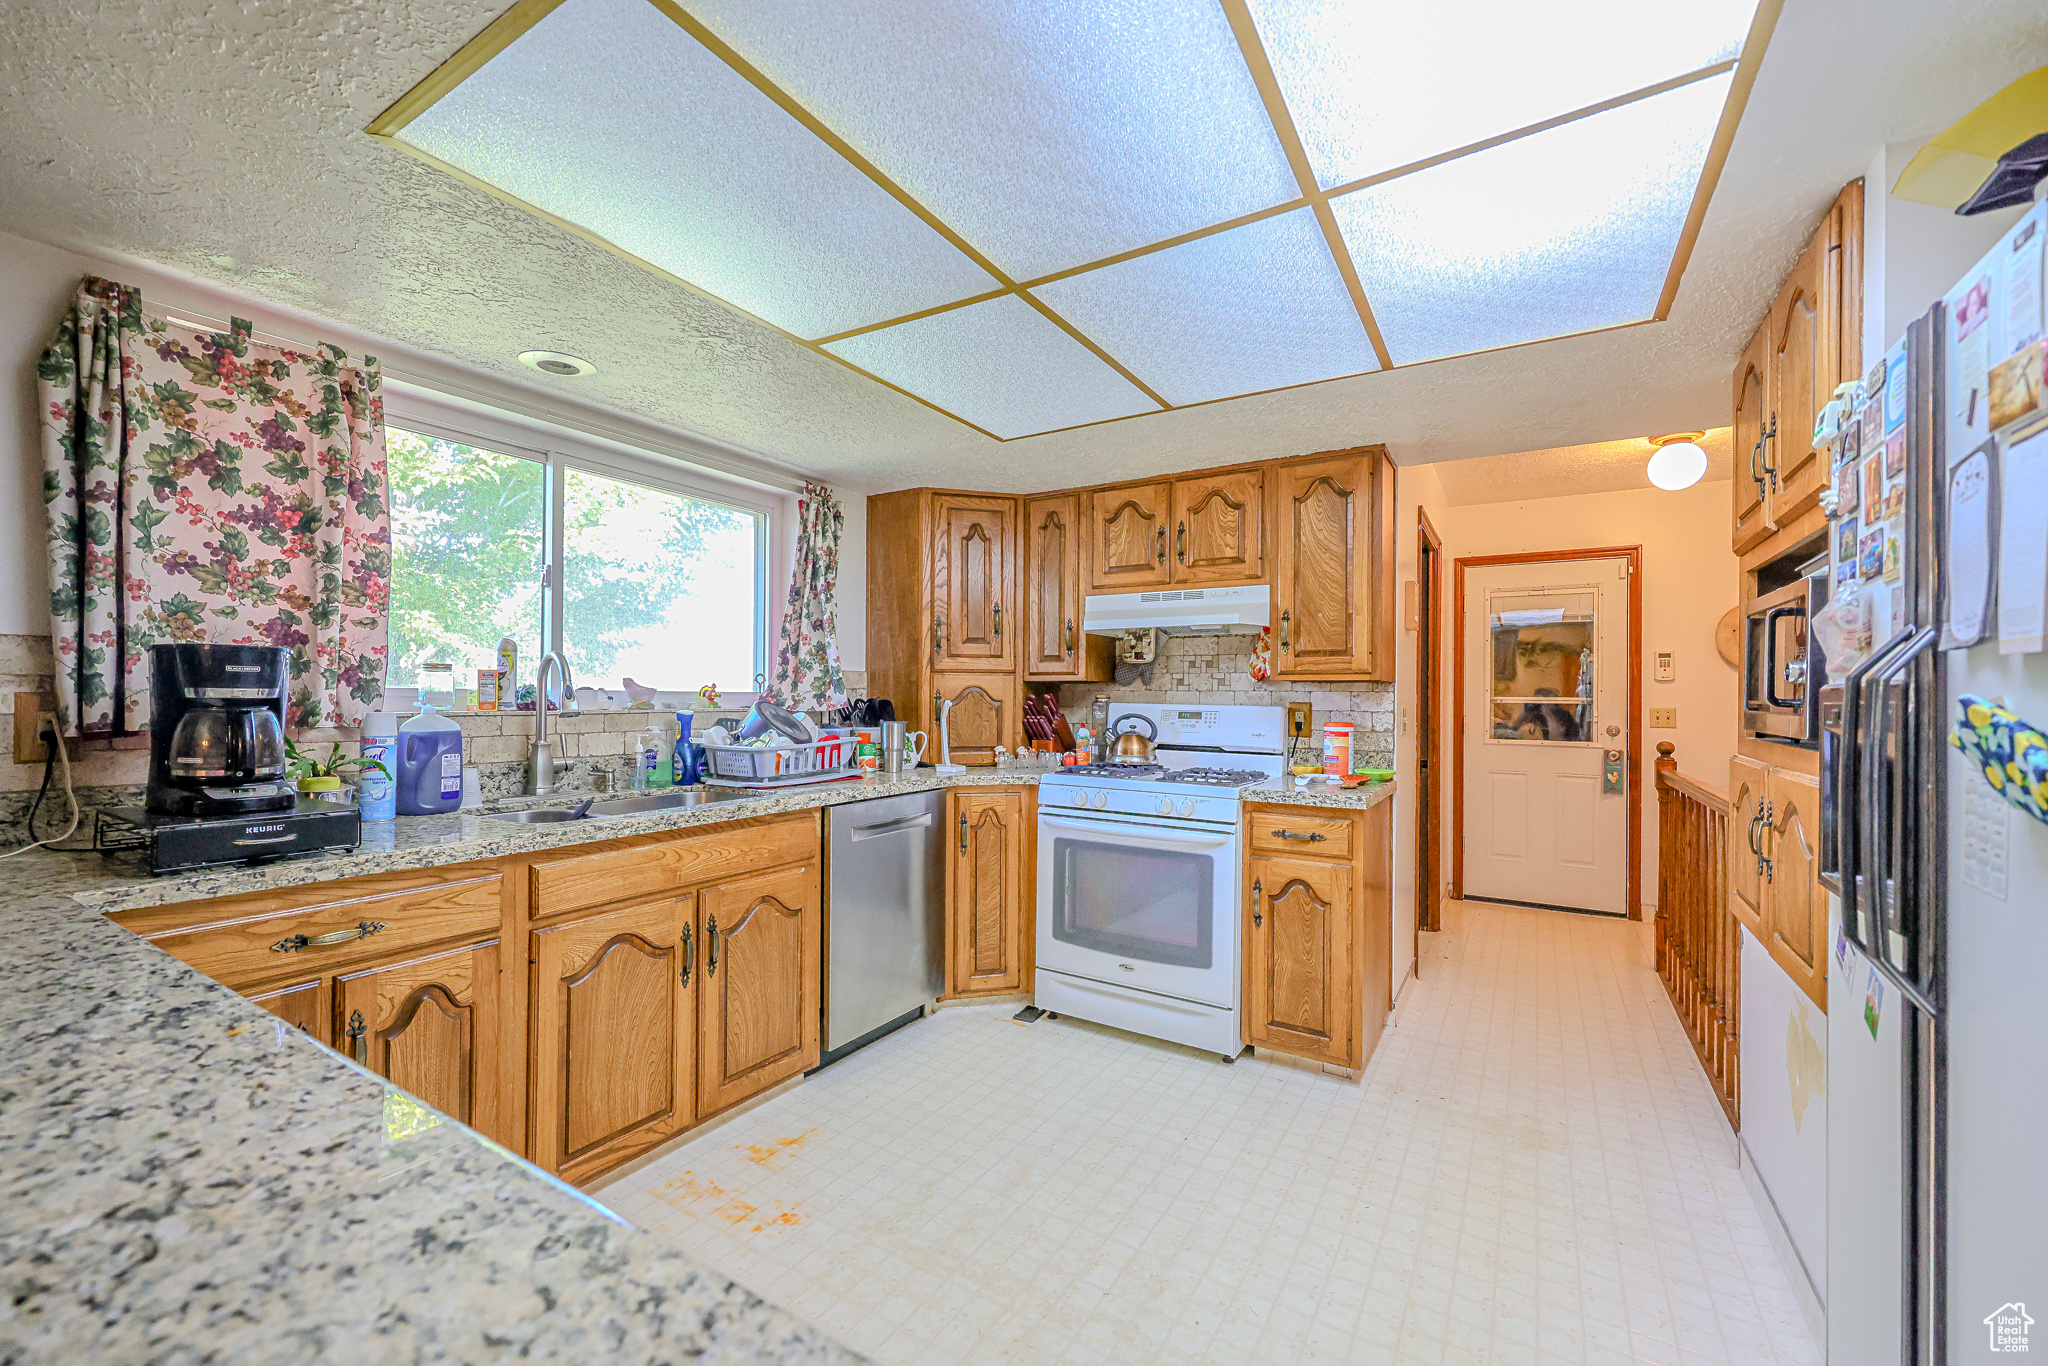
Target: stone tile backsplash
{"x": 1215, "y": 671}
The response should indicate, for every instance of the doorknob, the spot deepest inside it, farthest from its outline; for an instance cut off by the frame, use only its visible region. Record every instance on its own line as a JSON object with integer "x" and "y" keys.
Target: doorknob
{"x": 1613, "y": 731}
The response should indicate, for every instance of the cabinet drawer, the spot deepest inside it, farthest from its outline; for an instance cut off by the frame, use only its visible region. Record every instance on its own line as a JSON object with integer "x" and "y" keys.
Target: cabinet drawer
{"x": 683, "y": 860}
{"x": 254, "y": 942}
{"x": 1299, "y": 835}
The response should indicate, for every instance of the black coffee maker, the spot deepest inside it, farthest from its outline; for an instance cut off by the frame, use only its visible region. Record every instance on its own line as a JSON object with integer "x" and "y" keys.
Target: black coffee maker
{"x": 216, "y": 730}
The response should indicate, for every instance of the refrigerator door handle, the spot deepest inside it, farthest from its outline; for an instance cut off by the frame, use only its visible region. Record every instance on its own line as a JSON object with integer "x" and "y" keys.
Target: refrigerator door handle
{"x": 1849, "y": 786}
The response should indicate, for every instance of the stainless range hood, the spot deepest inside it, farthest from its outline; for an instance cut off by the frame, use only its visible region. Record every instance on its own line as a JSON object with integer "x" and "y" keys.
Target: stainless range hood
{"x": 1244, "y": 610}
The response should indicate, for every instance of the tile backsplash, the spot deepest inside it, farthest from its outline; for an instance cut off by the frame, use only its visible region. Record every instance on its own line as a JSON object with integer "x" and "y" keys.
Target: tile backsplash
{"x": 1215, "y": 670}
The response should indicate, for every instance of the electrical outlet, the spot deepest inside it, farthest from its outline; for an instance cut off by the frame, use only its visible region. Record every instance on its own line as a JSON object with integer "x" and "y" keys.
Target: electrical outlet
{"x": 1663, "y": 718}
{"x": 1298, "y": 720}
{"x": 31, "y": 738}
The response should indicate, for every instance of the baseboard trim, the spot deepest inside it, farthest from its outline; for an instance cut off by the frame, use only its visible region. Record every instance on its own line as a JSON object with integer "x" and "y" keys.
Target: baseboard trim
{"x": 1803, "y": 1288}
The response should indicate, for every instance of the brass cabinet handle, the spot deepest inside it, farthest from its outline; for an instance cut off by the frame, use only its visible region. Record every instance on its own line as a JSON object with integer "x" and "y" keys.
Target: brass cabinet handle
{"x": 1765, "y": 864}
{"x": 1770, "y": 435}
{"x": 1258, "y": 891}
{"x": 938, "y": 635}
{"x": 1180, "y": 543}
{"x": 358, "y": 1038}
{"x": 363, "y": 930}
{"x": 963, "y": 832}
{"x": 689, "y": 953}
{"x": 1312, "y": 836}
{"x": 1070, "y": 635}
{"x": 1285, "y": 617}
{"x": 1162, "y": 545}
{"x": 711, "y": 948}
{"x": 997, "y": 609}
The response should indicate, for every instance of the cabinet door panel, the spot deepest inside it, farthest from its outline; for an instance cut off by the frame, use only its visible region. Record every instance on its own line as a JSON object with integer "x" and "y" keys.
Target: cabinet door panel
{"x": 1746, "y": 797}
{"x": 971, "y": 581}
{"x": 303, "y": 1004}
{"x": 1796, "y": 905}
{"x": 984, "y": 715}
{"x": 758, "y": 1022}
{"x": 1302, "y": 992}
{"x": 1324, "y": 584}
{"x": 1802, "y": 372}
{"x": 985, "y": 911}
{"x": 612, "y": 1021}
{"x": 1128, "y": 537}
{"x": 1752, "y": 401}
{"x": 433, "y": 1026}
{"x": 1052, "y": 587}
{"x": 1217, "y": 530}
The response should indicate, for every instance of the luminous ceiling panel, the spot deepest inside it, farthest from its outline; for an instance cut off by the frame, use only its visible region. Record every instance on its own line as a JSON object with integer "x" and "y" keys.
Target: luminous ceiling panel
{"x": 1373, "y": 87}
{"x": 1046, "y": 134}
{"x": 999, "y": 364}
{"x": 1560, "y": 232}
{"x": 607, "y": 114}
{"x": 1258, "y": 307}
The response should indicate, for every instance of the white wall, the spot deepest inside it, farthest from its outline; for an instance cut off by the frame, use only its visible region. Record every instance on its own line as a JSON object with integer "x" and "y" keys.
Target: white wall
{"x": 36, "y": 283}
{"x": 1688, "y": 583}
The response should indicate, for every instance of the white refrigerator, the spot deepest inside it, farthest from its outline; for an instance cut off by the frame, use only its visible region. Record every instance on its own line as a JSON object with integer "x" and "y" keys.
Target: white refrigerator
{"x": 1937, "y": 1117}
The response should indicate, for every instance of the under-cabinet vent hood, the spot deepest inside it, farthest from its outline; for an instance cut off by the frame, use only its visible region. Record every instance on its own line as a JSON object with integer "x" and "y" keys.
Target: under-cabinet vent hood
{"x": 1245, "y": 610}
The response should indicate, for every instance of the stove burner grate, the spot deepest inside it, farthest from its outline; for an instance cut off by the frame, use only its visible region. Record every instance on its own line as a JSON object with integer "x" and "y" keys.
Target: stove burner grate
{"x": 1219, "y": 777}
{"x": 1114, "y": 770}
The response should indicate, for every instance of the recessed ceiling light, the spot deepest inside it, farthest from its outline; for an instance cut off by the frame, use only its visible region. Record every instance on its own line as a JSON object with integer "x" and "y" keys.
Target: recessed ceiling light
{"x": 557, "y": 363}
{"x": 1679, "y": 461}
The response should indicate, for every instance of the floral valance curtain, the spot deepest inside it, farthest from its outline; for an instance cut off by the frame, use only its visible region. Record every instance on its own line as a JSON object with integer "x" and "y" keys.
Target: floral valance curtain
{"x": 807, "y": 665}
{"x": 204, "y": 486}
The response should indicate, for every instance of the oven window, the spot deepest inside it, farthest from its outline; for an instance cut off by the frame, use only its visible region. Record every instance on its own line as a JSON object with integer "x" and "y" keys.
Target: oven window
{"x": 1156, "y": 905}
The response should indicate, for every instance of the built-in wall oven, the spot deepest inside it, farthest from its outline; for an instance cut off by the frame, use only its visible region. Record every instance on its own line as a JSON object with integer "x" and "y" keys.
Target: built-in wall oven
{"x": 1783, "y": 670}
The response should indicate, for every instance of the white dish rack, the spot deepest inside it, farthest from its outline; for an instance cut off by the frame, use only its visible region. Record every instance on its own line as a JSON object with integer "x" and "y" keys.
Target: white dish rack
{"x": 830, "y": 757}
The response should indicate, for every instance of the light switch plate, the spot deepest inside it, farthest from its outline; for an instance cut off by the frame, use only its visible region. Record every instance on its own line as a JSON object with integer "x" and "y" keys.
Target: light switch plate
{"x": 1663, "y": 718}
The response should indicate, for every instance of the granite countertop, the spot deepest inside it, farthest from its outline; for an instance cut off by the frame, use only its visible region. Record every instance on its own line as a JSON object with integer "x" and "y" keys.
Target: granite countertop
{"x": 1289, "y": 792}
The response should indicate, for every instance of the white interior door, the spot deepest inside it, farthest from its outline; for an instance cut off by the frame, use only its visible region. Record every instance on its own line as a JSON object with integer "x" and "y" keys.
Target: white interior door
{"x": 1546, "y": 706}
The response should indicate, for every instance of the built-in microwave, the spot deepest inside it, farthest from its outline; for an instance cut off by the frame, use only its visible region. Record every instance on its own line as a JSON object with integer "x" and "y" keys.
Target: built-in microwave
{"x": 1782, "y": 668}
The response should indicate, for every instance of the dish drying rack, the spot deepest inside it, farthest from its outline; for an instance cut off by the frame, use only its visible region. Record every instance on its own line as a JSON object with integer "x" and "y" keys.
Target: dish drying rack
{"x": 821, "y": 761}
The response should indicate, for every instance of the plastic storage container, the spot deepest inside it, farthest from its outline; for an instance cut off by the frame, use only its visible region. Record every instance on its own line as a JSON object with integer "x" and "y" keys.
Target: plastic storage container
{"x": 429, "y": 765}
{"x": 1337, "y": 746}
{"x": 378, "y": 792}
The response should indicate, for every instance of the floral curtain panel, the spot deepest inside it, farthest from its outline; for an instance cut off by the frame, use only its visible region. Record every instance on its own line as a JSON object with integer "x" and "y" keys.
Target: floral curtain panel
{"x": 204, "y": 486}
{"x": 807, "y": 665}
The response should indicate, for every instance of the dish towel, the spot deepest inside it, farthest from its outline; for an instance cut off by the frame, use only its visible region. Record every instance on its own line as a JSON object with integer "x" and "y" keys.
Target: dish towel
{"x": 2011, "y": 754}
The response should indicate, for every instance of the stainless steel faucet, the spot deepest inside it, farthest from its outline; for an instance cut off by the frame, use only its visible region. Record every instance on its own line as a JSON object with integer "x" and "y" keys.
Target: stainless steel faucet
{"x": 540, "y": 762}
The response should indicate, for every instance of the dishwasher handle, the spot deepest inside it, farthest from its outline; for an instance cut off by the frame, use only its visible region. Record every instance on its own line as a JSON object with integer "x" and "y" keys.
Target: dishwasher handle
{"x": 876, "y": 831}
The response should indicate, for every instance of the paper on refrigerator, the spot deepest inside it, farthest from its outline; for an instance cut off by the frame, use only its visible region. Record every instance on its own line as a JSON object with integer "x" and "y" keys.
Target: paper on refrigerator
{"x": 2023, "y": 545}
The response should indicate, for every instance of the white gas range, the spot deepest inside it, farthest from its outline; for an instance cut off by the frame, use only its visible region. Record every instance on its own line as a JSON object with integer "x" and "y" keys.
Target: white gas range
{"x": 1138, "y": 876}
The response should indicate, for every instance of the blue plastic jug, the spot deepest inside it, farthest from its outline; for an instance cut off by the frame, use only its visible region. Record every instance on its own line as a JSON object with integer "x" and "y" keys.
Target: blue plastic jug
{"x": 429, "y": 765}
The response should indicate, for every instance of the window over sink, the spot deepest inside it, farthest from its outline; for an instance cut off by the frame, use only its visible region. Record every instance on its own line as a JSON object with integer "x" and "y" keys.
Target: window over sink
{"x": 627, "y": 572}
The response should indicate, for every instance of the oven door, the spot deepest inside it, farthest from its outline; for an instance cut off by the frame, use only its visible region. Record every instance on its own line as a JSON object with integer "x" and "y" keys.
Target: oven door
{"x": 1780, "y": 686}
{"x": 1139, "y": 903}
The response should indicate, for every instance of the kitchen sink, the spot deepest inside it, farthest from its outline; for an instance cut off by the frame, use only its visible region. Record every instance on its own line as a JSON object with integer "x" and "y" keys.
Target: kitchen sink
{"x": 623, "y": 806}
{"x": 542, "y": 816}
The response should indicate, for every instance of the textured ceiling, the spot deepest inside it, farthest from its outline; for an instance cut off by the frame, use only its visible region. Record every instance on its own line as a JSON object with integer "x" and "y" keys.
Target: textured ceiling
{"x": 225, "y": 140}
{"x": 1603, "y": 467}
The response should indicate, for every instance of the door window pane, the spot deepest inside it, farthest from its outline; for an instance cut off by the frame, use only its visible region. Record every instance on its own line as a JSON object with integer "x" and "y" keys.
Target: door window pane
{"x": 657, "y": 587}
{"x": 466, "y": 529}
{"x": 1543, "y": 669}
{"x": 1151, "y": 905}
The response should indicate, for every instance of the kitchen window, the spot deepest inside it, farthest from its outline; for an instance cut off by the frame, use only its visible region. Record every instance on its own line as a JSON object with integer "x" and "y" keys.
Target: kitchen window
{"x": 628, "y": 572}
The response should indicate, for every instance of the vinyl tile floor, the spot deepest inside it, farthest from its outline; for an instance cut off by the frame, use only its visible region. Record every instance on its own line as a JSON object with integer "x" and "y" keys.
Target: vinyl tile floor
{"x": 1533, "y": 1169}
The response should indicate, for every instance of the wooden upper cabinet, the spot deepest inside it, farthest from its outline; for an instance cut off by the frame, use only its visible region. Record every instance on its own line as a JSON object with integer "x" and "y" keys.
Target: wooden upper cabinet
{"x": 758, "y": 1019}
{"x": 1795, "y": 905}
{"x": 1747, "y": 780}
{"x": 433, "y": 1026}
{"x": 1752, "y": 409}
{"x": 986, "y": 713}
{"x": 1053, "y": 645}
{"x": 1301, "y": 983}
{"x": 1128, "y": 537}
{"x": 1327, "y": 617}
{"x": 1805, "y": 337}
{"x": 612, "y": 1034}
{"x": 1217, "y": 526}
{"x": 973, "y": 589}
{"x": 988, "y": 924}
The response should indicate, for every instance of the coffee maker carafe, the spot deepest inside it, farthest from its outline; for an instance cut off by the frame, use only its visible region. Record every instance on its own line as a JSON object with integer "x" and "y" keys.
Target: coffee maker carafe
{"x": 216, "y": 730}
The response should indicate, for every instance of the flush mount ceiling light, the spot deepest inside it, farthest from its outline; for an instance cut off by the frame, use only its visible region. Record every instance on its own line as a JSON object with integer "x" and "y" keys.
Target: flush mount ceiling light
{"x": 1679, "y": 462}
{"x": 557, "y": 363}
{"x": 1036, "y": 217}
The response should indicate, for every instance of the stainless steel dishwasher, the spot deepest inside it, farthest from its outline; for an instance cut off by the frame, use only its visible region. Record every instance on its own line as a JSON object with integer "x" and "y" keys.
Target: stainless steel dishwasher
{"x": 885, "y": 917}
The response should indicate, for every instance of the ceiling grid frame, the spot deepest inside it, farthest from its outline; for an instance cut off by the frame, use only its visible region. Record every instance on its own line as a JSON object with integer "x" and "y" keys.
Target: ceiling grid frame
{"x": 509, "y": 26}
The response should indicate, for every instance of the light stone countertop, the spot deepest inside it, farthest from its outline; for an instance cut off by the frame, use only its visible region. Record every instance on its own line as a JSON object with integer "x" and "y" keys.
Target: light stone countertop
{"x": 1289, "y": 792}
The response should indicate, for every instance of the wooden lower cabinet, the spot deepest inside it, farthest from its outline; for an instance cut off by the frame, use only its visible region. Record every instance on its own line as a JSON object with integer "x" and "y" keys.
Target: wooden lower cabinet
{"x": 1318, "y": 932}
{"x": 613, "y": 1032}
{"x": 1796, "y": 908}
{"x": 1746, "y": 782}
{"x": 990, "y": 921}
{"x": 758, "y": 1016}
{"x": 308, "y": 1005}
{"x": 434, "y": 1025}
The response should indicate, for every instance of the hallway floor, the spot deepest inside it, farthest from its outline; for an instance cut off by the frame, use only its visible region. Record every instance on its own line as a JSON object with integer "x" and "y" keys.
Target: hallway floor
{"x": 1533, "y": 1170}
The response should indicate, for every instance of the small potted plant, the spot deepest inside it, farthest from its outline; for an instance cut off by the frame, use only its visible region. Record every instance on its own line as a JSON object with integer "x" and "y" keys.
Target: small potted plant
{"x": 317, "y": 777}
